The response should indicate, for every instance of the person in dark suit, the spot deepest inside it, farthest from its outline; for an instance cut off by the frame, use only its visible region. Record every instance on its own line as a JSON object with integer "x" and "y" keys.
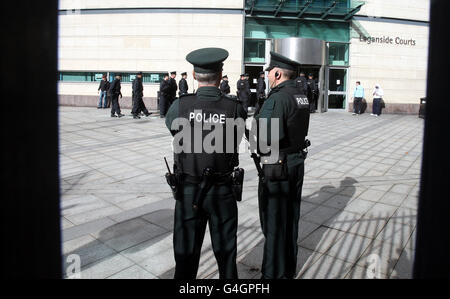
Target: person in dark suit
{"x": 224, "y": 87}
{"x": 138, "y": 94}
{"x": 164, "y": 96}
{"x": 173, "y": 87}
{"x": 115, "y": 93}
{"x": 183, "y": 85}
{"x": 243, "y": 90}
{"x": 260, "y": 91}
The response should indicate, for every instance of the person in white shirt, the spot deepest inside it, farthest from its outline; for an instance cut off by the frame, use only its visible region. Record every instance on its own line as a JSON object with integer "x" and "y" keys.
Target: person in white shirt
{"x": 377, "y": 97}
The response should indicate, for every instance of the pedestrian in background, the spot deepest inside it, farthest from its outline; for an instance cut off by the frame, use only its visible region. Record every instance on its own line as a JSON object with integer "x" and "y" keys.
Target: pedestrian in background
{"x": 312, "y": 93}
{"x": 183, "y": 85}
{"x": 260, "y": 91}
{"x": 358, "y": 95}
{"x": 173, "y": 88}
{"x": 103, "y": 90}
{"x": 377, "y": 100}
{"x": 138, "y": 94}
{"x": 224, "y": 87}
{"x": 300, "y": 82}
{"x": 164, "y": 96}
{"x": 115, "y": 93}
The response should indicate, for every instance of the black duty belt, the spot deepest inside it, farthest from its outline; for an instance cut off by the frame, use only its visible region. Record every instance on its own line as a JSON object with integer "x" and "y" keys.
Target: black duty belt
{"x": 216, "y": 178}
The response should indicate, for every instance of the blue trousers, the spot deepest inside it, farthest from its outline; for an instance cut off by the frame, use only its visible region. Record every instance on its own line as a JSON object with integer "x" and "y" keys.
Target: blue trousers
{"x": 376, "y": 106}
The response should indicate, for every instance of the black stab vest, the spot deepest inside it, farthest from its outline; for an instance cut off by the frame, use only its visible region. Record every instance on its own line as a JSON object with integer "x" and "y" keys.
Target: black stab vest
{"x": 192, "y": 163}
{"x": 297, "y": 121}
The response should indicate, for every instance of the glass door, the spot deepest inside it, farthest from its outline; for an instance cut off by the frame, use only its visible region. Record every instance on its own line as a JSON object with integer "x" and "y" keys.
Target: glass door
{"x": 337, "y": 88}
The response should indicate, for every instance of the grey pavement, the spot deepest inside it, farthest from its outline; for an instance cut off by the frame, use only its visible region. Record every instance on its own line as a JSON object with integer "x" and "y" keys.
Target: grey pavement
{"x": 358, "y": 211}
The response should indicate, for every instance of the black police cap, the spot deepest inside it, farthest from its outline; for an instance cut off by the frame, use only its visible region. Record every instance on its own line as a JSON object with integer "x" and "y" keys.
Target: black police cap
{"x": 262, "y": 73}
{"x": 139, "y": 73}
{"x": 184, "y": 73}
{"x": 225, "y": 77}
{"x": 207, "y": 60}
{"x": 282, "y": 62}
{"x": 173, "y": 73}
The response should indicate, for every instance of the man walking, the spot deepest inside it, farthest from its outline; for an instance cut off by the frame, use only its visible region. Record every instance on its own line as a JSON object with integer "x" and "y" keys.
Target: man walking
{"x": 138, "y": 94}
{"x": 280, "y": 184}
{"x": 358, "y": 95}
{"x": 205, "y": 185}
{"x": 115, "y": 93}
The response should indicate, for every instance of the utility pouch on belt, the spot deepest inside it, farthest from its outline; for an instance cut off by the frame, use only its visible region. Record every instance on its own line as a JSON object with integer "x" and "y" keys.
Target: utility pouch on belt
{"x": 237, "y": 183}
{"x": 277, "y": 171}
{"x": 173, "y": 182}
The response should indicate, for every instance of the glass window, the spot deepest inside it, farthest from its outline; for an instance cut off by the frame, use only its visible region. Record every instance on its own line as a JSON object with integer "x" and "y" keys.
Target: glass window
{"x": 338, "y": 54}
{"x": 146, "y": 77}
{"x": 77, "y": 76}
{"x": 254, "y": 50}
{"x": 281, "y": 28}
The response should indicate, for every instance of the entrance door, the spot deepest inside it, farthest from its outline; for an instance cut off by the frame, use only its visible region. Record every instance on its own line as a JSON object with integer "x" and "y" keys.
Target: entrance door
{"x": 253, "y": 75}
{"x": 337, "y": 88}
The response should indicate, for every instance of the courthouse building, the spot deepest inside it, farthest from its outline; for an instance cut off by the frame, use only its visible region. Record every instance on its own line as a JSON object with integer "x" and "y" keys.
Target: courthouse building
{"x": 340, "y": 42}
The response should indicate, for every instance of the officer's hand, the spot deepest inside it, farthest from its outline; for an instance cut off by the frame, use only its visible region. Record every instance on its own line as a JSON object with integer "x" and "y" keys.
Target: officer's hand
{"x": 121, "y": 96}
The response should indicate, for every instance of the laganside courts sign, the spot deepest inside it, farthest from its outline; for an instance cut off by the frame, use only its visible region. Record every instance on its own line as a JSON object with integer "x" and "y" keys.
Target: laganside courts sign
{"x": 388, "y": 40}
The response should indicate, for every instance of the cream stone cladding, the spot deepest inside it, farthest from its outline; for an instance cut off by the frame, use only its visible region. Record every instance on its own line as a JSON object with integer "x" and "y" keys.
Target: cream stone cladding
{"x": 401, "y": 9}
{"x": 89, "y": 4}
{"x": 148, "y": 41}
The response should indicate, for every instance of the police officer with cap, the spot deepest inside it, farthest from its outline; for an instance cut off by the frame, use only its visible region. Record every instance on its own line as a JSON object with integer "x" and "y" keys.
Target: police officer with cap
{"x": 205, "y": 191}
{"x": 313, "y": 92}
{"x": 224, "y": 87}
{"x": 280, "y": 184}
{"x": 243, "y": 90}
{"x": 183, "y": 85}
{"x": 173, "y": 87}
{"x": 300, "y": 81}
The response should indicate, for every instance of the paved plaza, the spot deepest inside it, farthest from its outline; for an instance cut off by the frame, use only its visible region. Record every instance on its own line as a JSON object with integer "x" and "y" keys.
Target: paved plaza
{"x": 358, "y": 210}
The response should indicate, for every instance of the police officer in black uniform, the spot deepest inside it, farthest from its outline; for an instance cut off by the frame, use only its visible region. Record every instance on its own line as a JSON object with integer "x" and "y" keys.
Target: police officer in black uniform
{"x": 206, "y": 187}
{"x": 313, "y": 92}
{"x": 115, "y": 92}
{"x": 183, "y": 85}
{"x": 300, "y": 82}
{"x": 138, "y": 94}
{"x": 243, "y": 91}
{"x": 281, "y": 179}
{"x": 224, "y": 87}
{"x": 260, "y": 91}
{"x": 164, "y": 96}
{"x": 173, "y": 87}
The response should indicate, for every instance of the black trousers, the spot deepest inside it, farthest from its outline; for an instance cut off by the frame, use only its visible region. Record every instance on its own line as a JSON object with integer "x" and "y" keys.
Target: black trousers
{"x": 115, "y": 107}
{"x": 376, "y": 106}
{"x": 163, "y": 104}
{"x": 219, "y": 210}
{"x": 138, "y": 106}
{"x": 279, "y": 211}
{"x": 357, "y": 105}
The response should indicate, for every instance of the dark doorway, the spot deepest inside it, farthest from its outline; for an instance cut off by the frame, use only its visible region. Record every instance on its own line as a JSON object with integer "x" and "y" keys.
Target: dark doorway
{"x": 253, "y": 73}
